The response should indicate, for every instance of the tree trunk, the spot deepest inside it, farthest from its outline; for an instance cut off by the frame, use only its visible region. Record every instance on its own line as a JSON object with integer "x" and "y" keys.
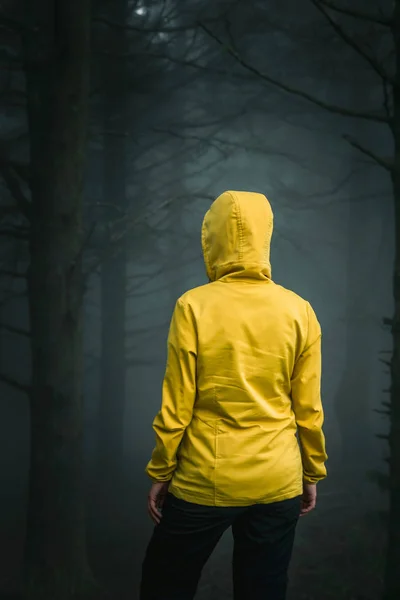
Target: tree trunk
{"x": 392, "y": 580}
{"x": 352, "y": 398}
{"x": 57, "y": 58}
{"x": 113, "y": 278}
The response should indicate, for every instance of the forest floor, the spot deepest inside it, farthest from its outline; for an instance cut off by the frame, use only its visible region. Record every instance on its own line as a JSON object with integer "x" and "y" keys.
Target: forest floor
{"x": 338, "y": 554}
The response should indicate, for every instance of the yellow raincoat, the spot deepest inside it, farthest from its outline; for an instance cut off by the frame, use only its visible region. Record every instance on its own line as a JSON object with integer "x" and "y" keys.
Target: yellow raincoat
{"x": 243, "y": 373}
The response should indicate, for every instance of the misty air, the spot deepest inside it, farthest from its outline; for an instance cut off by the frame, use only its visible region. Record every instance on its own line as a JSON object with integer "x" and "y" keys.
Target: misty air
{"x": 200, "y": 300}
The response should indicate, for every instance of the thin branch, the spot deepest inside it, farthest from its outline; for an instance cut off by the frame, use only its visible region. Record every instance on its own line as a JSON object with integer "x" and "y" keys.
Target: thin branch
{"x": 358, "y": 14}
{"x": 102, "y": 133}
{"x": 350, "y": 41}
{"x": 16, "y": 330}
{"x": 85, "y": 243}
{"x": 16, "y": 233}
{"x": 382, "y": 162}
{"x": 117, "y": 234}
{"x": 145, "y": 30}
{"x": 8, "y": 209}
{"x": 11, "y": 178}
{"x": 217, "y": 142}
{"x": 11, "y": 297}
{"x": 14, "y": 274}
{"x": 22, "y": 170}
{"x": 202, "y": 124}
{"x": 137, "y": 29}
{"x": 10, "y": 381}
{"x": 386, "y": 98}
{"x": 114, "y": 207}
{"x": 12, "y": 24}
{"x": 338, "y": 110}
{"x": 143, "y": 279}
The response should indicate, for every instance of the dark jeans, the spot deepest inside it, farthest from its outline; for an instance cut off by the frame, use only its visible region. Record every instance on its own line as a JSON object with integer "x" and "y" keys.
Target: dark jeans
{"x": 181, "y": 544}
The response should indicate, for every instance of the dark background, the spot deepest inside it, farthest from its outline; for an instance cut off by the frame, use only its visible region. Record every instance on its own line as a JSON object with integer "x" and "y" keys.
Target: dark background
{"x": 188, "y": 99}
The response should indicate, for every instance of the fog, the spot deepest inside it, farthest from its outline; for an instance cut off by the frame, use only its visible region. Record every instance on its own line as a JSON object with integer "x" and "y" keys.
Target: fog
{"x": 174, "y": 121}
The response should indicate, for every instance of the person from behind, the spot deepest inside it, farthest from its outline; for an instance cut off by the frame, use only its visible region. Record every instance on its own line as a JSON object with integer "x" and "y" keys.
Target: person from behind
{"x": 239, "y": 440}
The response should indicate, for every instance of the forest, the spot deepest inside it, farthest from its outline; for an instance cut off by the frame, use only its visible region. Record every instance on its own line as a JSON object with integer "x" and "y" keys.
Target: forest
{"x": 121, "y": 121}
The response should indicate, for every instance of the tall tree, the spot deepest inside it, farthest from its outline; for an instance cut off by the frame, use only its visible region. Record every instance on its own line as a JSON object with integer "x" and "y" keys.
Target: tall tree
{"x": 352, "y": 399}
{"x": 353, "y": 393}
{"x": 113, "y": 277}
{"x": 56, "y": 42}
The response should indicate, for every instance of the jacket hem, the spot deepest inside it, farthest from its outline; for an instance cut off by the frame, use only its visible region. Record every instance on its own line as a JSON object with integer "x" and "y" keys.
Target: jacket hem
{"x": 213, "y": 500}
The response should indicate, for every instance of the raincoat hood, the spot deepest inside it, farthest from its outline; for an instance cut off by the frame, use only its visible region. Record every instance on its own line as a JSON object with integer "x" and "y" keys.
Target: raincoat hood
{"x": 236, "y": 236}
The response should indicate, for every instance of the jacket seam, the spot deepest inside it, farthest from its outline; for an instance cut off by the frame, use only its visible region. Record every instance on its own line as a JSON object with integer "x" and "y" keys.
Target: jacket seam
{"x": 308, "y": 345}
{"x": 205, "y": 251}
{"x": 240, "y": 226}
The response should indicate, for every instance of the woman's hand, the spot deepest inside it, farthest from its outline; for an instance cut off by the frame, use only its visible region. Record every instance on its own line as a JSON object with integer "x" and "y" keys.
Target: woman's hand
{"x": 155, "y": 500}
{"x": 309, "y": 498}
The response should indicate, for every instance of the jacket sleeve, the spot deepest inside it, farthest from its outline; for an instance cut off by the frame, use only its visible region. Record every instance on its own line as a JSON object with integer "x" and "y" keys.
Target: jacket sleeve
{"x": 307, "y": 405}
{"x": 178, "y": 393}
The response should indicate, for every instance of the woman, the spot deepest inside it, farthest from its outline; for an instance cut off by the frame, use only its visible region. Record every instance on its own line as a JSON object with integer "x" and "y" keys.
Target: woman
{"x": 239, "y": 439}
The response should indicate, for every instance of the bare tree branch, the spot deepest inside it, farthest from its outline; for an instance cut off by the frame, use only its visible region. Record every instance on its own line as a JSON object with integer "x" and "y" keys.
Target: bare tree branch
{"x": 338, "y": 110}
{"x": 218, "y": 143}
{"x": 11, "y": 24}
{"x": 382, "y": 162}
{"x": 11, "y": 297}
{"x": 14, "y": 274}
{"x": 156, "y": 29}
{"x": 192, "y": 63}
{"x": 119, "y": 228}
{"x": 10, "y": 381}
{"x": 11, "y": 176}
{"x": 350, "y": 41}
{"x": 14, "y": 232}
{"x": 202, "y": 123}
{"x": 143, "y": 30}
{"x": 8, "y": 209}
{"x": 22, "y": 170}
{"x": 387, "y": 97}
{"x": 85, "y": 243}
{"x": 358, "y": 14}
{"x": 16, "y": 330}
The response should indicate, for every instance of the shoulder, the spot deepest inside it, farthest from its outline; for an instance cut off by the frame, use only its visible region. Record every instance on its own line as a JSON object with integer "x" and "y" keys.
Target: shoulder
{"x": 291, "y": 296}
{"x": 297, "y": 303}
{"x": 193, "y": 296}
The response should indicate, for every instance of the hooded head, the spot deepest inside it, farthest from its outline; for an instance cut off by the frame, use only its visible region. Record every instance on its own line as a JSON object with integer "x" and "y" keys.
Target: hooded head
{"x": 236, "y": 236}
